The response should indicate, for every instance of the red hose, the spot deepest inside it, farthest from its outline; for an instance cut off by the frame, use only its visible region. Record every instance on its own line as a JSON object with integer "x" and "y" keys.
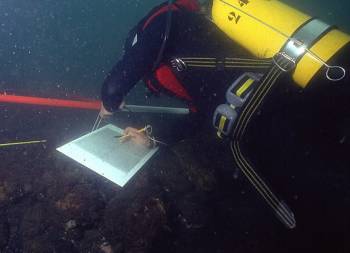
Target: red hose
{"x": 91, "y": 105}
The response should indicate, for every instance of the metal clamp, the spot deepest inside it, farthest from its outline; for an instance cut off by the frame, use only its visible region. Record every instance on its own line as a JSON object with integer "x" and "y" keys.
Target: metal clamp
{"x": 178, "y": 64}
{"x": 282, "y": 57}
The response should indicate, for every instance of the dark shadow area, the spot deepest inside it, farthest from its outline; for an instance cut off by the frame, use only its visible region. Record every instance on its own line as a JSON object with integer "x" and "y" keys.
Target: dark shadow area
{"x": 185, "y": 200}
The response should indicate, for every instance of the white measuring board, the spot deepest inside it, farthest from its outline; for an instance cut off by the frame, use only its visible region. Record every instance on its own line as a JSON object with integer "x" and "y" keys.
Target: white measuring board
{"x": 103, "y": 153}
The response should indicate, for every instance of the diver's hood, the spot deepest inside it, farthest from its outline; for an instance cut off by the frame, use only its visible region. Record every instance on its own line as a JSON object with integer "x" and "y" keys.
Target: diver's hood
{"x": 191, "y": 5}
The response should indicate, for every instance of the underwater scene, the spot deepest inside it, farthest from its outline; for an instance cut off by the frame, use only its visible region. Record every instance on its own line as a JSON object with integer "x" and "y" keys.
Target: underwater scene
{"x": 177, "y": 126}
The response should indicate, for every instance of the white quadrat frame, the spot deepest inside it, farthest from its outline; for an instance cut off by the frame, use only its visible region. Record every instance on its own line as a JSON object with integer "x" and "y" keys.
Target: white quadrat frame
{"x": 101, "y": 152}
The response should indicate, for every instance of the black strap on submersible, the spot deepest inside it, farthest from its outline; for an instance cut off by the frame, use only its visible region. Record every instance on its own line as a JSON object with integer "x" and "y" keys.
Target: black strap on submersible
{"x": 283, "y": 62}
{"x": 185, "y": 63}
{"x": 279, "y": 207}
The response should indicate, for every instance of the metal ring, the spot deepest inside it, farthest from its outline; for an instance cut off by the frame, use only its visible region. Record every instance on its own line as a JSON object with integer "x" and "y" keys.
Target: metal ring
{"x": 329, "y": 68}
{"x": 148, "y": 129}
{"x": 286, "y": 58}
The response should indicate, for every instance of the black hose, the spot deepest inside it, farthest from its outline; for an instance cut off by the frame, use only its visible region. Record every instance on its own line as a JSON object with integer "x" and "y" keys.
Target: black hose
{"x": 166, "y": 36}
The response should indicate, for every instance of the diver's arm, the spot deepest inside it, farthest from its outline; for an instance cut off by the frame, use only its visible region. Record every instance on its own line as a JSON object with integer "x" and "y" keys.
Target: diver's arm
{"x": 141, "y": 51}
{"x": 122, "y": 78}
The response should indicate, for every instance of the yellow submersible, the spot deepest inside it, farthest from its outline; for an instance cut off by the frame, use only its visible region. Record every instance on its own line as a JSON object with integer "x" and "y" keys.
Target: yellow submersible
{"x": 265, "y": 27}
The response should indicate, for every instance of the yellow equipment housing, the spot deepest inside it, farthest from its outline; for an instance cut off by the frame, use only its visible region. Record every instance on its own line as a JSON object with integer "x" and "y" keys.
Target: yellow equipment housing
{"x": 264, "y": 26}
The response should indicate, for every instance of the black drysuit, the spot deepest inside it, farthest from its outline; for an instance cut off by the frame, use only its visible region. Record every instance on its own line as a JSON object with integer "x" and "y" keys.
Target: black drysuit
{"x": 191, "y": 34}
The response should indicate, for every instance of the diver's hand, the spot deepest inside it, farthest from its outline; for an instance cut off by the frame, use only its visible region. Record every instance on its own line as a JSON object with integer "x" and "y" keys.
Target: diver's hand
{"x": 104, "y": 113}
{"x": 137, "y": 137}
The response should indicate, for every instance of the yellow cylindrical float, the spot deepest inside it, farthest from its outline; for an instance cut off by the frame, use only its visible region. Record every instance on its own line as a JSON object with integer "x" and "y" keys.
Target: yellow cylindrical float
{"x": 264, "y": 26}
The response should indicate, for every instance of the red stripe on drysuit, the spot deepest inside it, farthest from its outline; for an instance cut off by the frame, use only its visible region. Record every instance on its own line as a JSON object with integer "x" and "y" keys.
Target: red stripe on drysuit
{"x": 168, "y": 80}
{"x": 157, "y": 13}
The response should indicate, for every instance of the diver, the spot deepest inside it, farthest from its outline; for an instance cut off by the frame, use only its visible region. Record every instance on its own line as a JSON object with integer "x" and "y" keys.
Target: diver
{"x": 177, "y": 50}
{"x": 152, "y": 51}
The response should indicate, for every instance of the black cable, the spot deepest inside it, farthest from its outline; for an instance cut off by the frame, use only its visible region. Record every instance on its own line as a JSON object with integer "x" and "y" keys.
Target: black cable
{"x": 166, "y": 36}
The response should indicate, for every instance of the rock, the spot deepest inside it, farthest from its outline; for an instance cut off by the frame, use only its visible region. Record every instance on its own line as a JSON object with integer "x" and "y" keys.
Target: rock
{"x": 197, "y": 172}
{"x": 4, "y": 233}
{"x": 70, "y": 202}
{"x": 3, "y": 192}
{"x": 42, "y": 245}
{"x": 13, "y": 190}
{"x": 136, "y": 223}
{"x": 35, "y": 221}
{"x": 37, "y": 244}
{"x": 92, "y": 241}
{"x": 106, "y": 248}
{"x": 83, "y": 204}
{"x": 70, "y": 225}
